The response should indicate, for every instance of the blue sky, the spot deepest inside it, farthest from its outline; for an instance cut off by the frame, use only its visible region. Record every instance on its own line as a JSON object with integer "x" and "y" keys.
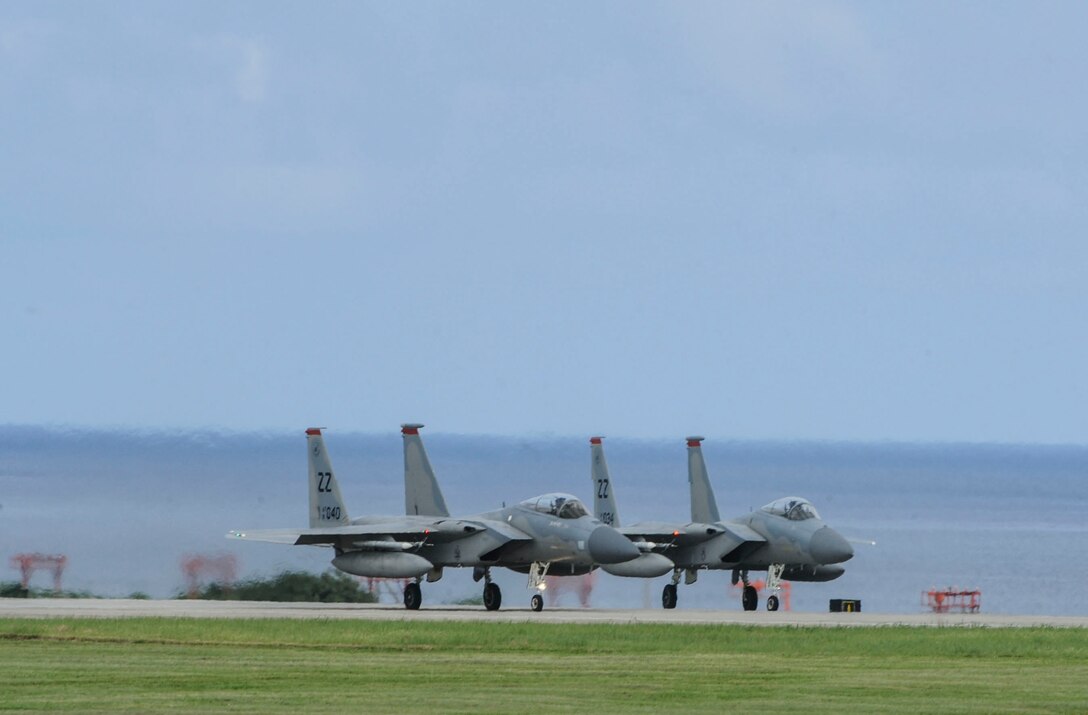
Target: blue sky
{"x": 846, "y": 221}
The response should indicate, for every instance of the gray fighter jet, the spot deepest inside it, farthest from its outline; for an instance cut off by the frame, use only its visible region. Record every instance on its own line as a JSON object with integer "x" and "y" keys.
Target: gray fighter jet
{"x": 787, "y": 538}
{"x": 553, "y": 533}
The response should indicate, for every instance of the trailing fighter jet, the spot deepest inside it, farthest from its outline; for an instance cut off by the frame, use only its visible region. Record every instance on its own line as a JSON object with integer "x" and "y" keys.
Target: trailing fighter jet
{"x": 553, "y": 533}
{"x": 787, "y": 538}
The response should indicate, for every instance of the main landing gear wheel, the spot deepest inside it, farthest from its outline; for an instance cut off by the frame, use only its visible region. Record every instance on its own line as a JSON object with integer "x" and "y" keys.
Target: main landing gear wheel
{"x": 492, "y": 596}
{"x": 536, "y": 602}
{"x": 668, "y": 596}
{"x": 750, "y": 598}
{"x": 413, "y": 596}
{"x": 772, "y": 603}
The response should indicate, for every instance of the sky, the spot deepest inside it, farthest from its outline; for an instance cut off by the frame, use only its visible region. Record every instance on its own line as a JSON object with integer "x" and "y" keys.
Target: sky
{"x": 766, "y": 220}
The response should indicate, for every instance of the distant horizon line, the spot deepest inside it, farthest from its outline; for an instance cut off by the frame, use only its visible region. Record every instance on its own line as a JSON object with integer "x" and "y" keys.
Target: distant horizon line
{"x": 542, "y": 436}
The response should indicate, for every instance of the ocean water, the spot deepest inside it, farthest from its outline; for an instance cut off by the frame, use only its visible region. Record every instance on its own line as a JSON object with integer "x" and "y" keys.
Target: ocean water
{"x": 126, "y": 508}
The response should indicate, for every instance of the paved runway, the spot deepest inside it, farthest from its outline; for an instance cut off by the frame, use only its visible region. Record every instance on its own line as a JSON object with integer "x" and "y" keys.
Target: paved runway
{"x": 123, "y": 608}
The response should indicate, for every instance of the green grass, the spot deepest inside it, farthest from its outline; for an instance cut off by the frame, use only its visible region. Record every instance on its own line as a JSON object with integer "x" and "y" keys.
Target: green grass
{"x": 185, "y": 665}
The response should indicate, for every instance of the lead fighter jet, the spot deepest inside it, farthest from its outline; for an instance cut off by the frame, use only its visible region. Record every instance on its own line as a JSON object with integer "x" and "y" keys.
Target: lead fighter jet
{"x": 551, "y": 533}
{"x": 787, "y": 538}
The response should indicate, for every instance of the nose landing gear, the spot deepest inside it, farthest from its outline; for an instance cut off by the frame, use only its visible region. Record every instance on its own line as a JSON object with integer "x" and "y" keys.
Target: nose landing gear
{"x": 774, "y": 584}
{"x": 537, "y": 571}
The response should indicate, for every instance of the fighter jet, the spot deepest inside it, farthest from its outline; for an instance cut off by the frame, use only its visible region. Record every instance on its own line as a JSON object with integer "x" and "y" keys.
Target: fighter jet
{"x": 552, "y": 533}
{"x": 786, "y": 538}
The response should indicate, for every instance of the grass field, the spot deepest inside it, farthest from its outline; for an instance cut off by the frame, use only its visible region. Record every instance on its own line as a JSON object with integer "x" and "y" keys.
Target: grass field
{"x": 187, "y": 665}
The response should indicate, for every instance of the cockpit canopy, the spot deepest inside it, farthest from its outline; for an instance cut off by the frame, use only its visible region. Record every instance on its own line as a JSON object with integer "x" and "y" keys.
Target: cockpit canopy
{"x": 793, "y": 508}
{"x": 565, "y": 506}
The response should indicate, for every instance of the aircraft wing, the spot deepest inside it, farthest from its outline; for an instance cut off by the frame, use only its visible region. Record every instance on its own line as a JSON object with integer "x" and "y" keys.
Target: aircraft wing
{"x": 664, "y": 533}
{"x": 395, "y": 530}
{"x": 660, "y": 536}
{"x": 502, "y": 529}
{"x": 743, "y": 533}
{"x": 741, "y": 542}
{"x": 272, "y": 536}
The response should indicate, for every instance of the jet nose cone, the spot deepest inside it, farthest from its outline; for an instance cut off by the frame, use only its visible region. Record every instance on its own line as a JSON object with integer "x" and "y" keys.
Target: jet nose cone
{"x": 828, "y": 547}
{"x": 608, "y": 546}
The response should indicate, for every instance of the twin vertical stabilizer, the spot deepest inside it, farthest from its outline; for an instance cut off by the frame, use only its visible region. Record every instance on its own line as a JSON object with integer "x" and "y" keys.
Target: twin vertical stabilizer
{"x": 422, "y": 496}
{"x": 604, "y": 501}
{"x": 326, "y": 504}
{"x": 704, "y": 509}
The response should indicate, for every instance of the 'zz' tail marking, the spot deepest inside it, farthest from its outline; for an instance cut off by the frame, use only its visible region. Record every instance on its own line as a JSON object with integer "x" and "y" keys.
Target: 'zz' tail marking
{"x": 326, "y": 505}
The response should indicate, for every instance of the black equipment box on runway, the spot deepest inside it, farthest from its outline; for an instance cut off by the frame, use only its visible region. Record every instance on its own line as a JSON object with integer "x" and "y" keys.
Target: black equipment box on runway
{"x": 845, "y": 605}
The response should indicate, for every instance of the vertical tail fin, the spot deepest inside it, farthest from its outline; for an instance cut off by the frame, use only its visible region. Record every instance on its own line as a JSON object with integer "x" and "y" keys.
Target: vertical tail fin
{"x": 604, "y": 500}
{"x": 326, "y": 505}
{"x": 421, "y": 492}
{"x": 704, "y": 509}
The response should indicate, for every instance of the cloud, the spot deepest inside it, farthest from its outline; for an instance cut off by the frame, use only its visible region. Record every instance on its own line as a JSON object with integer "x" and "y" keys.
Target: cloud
{"x": 251, "y": 78}
{"x": 245, "y": 61}
{"x": 783, "y": 58}
{"x": 26, "y": 42}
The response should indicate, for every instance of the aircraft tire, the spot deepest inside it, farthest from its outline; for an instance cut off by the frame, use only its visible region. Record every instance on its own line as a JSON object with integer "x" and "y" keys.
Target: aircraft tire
{"x": 750, "y": 598}
{"x": 413, "y": 597}
{"x": 536, "y": 602}
{"x": 668, "y": 596}
{"x": 772, "y": 603}
{"x": 492, "y": 596}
